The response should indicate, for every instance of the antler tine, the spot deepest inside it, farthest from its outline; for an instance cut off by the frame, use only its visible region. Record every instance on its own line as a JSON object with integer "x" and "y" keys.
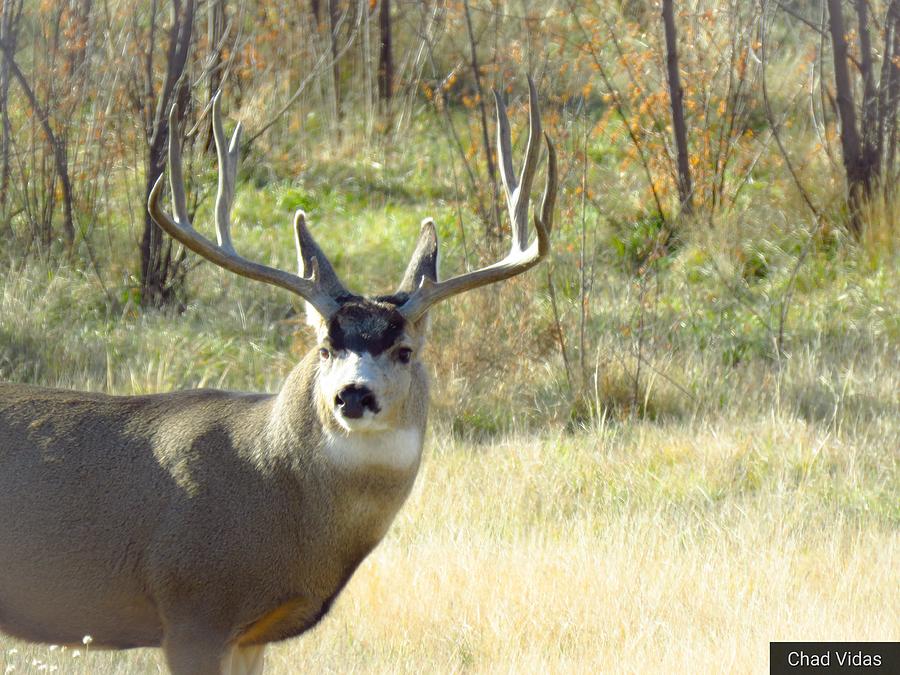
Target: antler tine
{"x": 228, "y": 155}
{"x": 519, "y": 258}
{"x": 180, "y": 228}
{"x": 548, "y": 201}
{"x": 176, "y": 180}
{"x": 526, "y": 179}
{"x": 518, "y": 191}
{"x": 504, "y": 147}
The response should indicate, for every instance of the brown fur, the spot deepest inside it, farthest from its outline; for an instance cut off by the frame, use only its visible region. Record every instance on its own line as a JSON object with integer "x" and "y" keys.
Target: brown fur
{"x": 186, "y": 519}
{"x": 210, "y": 523}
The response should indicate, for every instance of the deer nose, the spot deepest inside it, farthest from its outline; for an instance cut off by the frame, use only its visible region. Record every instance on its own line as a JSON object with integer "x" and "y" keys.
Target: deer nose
{"x": 353, "y": 401}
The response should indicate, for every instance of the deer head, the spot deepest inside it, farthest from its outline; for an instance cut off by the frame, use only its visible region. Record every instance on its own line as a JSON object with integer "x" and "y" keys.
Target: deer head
{"x": 368, "y": 347}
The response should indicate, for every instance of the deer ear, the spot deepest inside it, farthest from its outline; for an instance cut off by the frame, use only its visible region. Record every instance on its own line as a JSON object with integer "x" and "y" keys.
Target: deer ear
{"x": 424, "y": 261}
{"x": 307, "y": 252}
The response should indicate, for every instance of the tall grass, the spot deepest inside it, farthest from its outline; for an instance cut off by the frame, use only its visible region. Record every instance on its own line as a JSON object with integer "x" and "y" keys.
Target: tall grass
{"x": 648, "y": 547}
{"x": 718, "y": 469}
{"x": 749, "y": 495}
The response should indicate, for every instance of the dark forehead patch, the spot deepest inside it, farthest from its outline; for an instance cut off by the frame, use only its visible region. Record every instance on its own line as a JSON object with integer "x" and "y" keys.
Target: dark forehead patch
{"x": 365, "y": 326}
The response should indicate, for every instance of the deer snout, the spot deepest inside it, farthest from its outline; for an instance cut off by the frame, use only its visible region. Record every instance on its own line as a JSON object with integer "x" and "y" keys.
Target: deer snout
{"x": 353, "y": 400}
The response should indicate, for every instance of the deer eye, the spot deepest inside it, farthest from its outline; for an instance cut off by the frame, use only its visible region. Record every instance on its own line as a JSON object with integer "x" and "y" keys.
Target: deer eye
{"x": 325, "y": 353}
{"x": 404, "y": 354}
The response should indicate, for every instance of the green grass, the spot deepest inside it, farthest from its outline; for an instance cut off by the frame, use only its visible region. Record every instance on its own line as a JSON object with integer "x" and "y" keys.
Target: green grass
{"x": 676, "y": 511}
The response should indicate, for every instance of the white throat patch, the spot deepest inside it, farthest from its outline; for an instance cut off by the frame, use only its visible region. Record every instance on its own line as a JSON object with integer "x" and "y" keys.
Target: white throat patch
{"x": 397, "y": 449}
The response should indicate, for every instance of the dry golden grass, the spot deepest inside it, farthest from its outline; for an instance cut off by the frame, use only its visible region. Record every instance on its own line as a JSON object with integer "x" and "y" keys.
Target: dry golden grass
{"x": 642, "y": 548}
{"x": 758, "y": 499}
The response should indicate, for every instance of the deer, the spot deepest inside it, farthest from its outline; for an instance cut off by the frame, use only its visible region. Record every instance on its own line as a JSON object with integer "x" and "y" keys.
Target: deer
{"x": 211, "y": 523}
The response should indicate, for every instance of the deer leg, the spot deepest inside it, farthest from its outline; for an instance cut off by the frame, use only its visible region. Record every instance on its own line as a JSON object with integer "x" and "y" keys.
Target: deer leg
{"x": 190, "y": 651}
{"x": 245, "y": 660}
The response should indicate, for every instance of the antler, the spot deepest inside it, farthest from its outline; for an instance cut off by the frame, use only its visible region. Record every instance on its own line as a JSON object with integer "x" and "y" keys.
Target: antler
{"x": 320, "y": 287}
{"x": 518, "y": 193}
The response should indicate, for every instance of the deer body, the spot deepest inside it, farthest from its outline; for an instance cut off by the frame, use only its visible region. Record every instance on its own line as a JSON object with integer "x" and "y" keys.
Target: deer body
{"x": 232, "y": 505}
{"x": 211, "y": 523}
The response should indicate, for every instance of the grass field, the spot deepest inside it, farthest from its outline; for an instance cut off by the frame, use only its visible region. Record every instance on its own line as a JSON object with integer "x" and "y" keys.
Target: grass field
{"x": 648, "y": 548}
{"x": 676, "y": 440}
{"x": 758, "y": 500}
{"x": 712, "y": 466}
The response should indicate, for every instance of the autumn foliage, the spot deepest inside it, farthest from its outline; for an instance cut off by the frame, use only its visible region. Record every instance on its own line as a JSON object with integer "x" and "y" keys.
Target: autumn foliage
{"x": 83, "y": 85}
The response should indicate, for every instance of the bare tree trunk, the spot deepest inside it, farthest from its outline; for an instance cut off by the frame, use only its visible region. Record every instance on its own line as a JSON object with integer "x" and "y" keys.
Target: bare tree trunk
{"x": 156, "y": 273}
{"x": 486, "y": 139}
{"x": 869, "y": 155}
{"x": 57, "y": 145}
{"x": 333, "y": 24}
{"x": 857, "y": 184}
{"x": 676, "y": 96}
{"x": 10, "y": 13}
{"x": 889, "y": 93}
{"x": 386, "y": 53}
{"x": 215, "y": 30}
{"x": 81, "y": 18}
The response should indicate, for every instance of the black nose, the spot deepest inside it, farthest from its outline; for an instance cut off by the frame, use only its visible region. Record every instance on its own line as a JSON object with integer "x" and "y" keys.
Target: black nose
{"x": 354, "y": 400}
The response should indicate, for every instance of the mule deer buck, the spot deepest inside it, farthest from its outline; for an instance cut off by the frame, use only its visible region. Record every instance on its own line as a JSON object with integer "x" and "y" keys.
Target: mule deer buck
{"x": 211, "y": 523}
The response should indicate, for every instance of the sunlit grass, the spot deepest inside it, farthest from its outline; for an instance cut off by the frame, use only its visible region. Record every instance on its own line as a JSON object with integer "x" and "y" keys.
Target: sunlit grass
{"x": 647, "y": 548}
{"x": 733, "y": 495}
{"x": 579, "y": 554}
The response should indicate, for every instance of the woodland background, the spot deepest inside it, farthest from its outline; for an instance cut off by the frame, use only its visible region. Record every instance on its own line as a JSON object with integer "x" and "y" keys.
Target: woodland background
{"x": 674, "y": 442}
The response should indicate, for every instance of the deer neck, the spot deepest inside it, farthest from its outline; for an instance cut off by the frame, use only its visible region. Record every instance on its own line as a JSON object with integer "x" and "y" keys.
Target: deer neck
{"x": 363, "y": 478}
